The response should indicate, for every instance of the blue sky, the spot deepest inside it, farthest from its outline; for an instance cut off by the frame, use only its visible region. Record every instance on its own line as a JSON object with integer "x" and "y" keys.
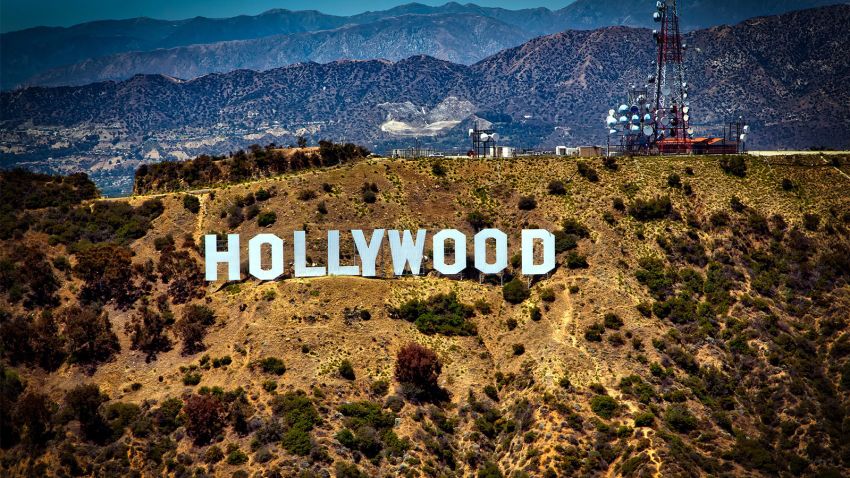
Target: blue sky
{"x": 19, "y": 14}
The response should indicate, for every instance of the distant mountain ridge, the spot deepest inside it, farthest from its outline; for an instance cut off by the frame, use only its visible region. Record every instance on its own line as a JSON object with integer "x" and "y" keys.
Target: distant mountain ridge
{"x": 786, "y": 74}
{"x": 459, "y": 38}
{"x": 76, "y": 54}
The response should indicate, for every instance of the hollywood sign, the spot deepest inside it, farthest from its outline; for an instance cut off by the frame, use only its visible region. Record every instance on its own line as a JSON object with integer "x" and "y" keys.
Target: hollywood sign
{"x": 406, "y": 250}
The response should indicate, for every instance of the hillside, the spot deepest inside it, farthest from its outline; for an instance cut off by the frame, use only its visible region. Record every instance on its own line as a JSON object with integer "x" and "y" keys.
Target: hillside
{"x": 704, "y": 336}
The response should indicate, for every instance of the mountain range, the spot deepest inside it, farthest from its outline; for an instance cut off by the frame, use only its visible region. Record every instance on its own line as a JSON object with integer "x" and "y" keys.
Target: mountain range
{"x": 786, "y": 75}
{"x": 118, "y": 49}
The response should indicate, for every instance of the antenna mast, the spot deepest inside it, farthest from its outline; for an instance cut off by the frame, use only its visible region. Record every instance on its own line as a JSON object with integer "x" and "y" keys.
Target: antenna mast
{"x": 672, "y": 108}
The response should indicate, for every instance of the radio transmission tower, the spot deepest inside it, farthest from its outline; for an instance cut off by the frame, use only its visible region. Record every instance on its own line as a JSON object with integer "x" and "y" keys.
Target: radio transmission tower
{"x": 672, "y": 108}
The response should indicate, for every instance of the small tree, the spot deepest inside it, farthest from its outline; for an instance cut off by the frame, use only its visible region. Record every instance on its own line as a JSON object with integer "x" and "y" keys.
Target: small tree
{"x": 192, "y": 327}
{"x": 204, "y": 417}
{"x": 89, "y": 336}
{"x": 191, "y": 203}
{"x": 418, "y": 368}
{"x": 147, "y": 331}
{"x": 107, "y": 270}
{"x": 83, "y": 403}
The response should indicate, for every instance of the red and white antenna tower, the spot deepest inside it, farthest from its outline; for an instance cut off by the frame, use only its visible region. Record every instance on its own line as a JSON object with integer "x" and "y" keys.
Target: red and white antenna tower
{"x": 672, "y": 108}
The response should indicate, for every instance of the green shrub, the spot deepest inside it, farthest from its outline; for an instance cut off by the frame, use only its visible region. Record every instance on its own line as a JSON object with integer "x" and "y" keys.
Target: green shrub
{"x": 612, "y": 321}
{"x": 440, "y": 314}
{"x": 574, "y": 227}
{"x": 272, "y": 365}
{"x": 191, "y": 203}
{"x": 236, "y": 457}
{"x": 519, "y": 349}
{"x": 213, "y": 454}
{"x": 594, "y": 332}
{"x": 644, "y": 419}
{"x": 547, "y": 294}
{"x": 535, "y": 314}
{"x": 192, "y": 378}
{"x": 515, "y": 291}
{"x": 437, "y": 169}
{"x": 557, "y": 188}
{"x": 478, "y": 220}
{"x": 604, "y": 406}
{"x": 299, "y": 417}
{"x": 527, "y": 203}
{"x": 576, "y": 261}
{"x": 734, "y": 165}
{"x": 811, "y": 221}
{"x": 266, "y": 218}
{"x": 618, "y": 204}
{"x": 587, "y": 171}
{"x": 674, "y": 181}
{"x": 651, "y": 209}
{"x": 680, "y": 419}
{"x": 346, "y": 370}
{"x": 306, "y": 195}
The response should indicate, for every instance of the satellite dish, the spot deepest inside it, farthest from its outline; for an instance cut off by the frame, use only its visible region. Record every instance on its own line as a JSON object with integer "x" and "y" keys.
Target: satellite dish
{"x": 647, "y": 118}
{"x": 611, "y": 112}
{"x": 665, "y": 90}
{"x": 744, "y": 137}
{"x": 746, "y": 128}
{"x": 686, "y": 109}
{"x": 635, "y": 119}
{"x": 665, "y": 121}
{"x": 686, "y": 117}
{"x": 612, "y": 131}
{"x": 623, "y": 109}
{"x": 659, "y": 4}
{"x": 495, "y": 136}
{"x": 485, "y": 137}
{"x": 656, "y": 16}
{"x": 471, "y": 131}
{"x": 647, "y": 130}
{"x": 690, "y": 131}
{"x": 684, "y": 95}
{"x": 635, "y": 128}
{"x": 624, "y": 119}
{"x": 611, "y": 121}
{"x": 635, "y": 109}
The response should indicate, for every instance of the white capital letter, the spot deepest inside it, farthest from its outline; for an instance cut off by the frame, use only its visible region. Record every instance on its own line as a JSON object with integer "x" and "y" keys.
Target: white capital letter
{"x": 212, "y": 257}
{"x": 334, "y": 269}
{"x": 406, "y": 251}
{"x": 301, "y": 269}
{"x": 368, "y": 252}
{"x": 255, "y": 259}
{"x": 481, "y": 251}
{"x": 528, "y": 237}
{"x": 459, "y": 240}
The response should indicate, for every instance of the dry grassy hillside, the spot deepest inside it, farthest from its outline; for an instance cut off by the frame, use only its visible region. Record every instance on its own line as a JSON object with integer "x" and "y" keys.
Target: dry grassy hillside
{"x": 699, "y": 340}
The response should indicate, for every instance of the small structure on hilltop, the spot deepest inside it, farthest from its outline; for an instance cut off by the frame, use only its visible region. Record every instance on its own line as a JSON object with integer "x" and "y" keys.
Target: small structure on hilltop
{"x": 483, "y": 142}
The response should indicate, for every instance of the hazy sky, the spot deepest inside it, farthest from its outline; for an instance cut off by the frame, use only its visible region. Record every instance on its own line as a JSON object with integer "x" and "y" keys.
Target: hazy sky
{"x": 19, "y": 14}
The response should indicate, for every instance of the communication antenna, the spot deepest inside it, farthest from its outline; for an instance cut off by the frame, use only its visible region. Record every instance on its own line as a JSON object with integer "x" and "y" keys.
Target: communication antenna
{"x": 671, "y": 108}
